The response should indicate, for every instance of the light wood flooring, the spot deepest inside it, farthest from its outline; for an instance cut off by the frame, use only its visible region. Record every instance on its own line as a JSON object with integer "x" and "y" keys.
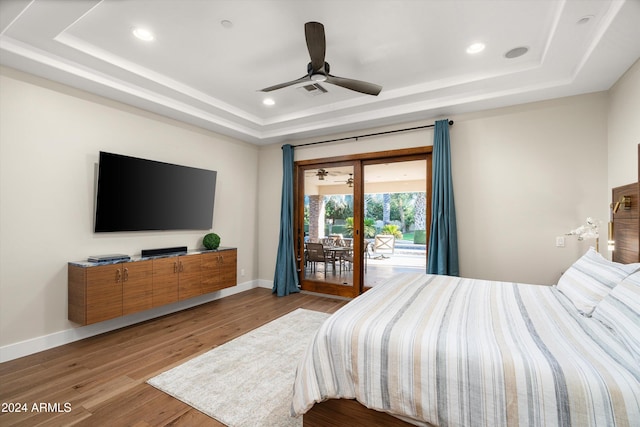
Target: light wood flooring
{"x": 102, "y": 379}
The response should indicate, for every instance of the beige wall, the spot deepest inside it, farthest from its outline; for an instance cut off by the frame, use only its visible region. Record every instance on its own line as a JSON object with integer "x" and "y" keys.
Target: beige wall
{"x": 522, "y": 176}
{"x": 50, "y": 136}
{"x": 624, "y": 128}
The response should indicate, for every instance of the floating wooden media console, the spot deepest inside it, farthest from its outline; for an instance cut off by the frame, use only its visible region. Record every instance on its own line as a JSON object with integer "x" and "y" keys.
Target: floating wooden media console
{"x": 102, "y": 291}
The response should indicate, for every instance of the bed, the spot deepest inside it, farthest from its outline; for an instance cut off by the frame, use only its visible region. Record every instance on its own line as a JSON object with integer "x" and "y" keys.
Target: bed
{"x": 447, "y": 351}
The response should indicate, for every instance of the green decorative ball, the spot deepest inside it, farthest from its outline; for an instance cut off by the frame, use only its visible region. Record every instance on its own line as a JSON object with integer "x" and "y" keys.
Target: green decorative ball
{"x": 211, "y": 241}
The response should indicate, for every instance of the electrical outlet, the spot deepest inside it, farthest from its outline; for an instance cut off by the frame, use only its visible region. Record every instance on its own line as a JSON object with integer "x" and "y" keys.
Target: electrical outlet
{"x": 242, "y": 272}
{"x": 559, "y": 241}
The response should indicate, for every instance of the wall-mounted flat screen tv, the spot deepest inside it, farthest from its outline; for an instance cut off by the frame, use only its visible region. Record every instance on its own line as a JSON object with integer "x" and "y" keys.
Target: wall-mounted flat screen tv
{"x": 136, "y": 194}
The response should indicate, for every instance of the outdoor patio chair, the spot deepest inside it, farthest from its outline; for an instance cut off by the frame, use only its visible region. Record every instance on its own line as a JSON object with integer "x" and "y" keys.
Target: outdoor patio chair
{"x": 346, "y": 260}
{"x": 366, "y": 253}
{"x": 316, "y": 254}
{"x": 384, "y": 244}
{"x": 330, "y": 240}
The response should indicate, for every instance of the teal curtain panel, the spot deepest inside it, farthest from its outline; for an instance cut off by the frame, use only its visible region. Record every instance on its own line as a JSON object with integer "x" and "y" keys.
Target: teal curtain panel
{"x": 443, "y": 241}
{"x": 285, "y": 280}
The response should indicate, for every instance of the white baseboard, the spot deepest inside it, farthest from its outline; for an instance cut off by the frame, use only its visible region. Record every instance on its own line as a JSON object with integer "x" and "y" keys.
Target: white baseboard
{"x": 45, "y": 342}
{"x": 261, "y": 283}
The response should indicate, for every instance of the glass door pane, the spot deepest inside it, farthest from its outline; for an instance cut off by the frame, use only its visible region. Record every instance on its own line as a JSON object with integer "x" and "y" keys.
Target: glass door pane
{"x": 327, "y": 262}
{"x": 395, "y": 219}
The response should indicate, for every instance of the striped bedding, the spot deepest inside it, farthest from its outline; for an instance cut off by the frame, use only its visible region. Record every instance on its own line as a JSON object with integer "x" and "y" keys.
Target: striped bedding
{"x": 461, "y": 352}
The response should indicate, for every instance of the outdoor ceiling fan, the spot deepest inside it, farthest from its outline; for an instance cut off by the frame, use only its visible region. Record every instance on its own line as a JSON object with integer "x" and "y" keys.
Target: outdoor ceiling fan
{"x": 349, "y": 180}
{"x": 318, "y": 69}
{"x": 321, "y": 174}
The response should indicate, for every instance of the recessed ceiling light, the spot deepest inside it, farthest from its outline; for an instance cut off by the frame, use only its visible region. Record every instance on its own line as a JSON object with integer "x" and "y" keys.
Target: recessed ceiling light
{"x": 143, "y": 34}
{"x": 516, "y": 52}
{"x": 268, "y": 101}
{"x": 475, "y": 48}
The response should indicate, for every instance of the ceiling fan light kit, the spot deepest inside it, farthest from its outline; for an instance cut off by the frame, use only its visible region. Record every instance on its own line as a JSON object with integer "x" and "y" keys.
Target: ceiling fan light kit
{"x": 318, "y": 69}
{"x": 321, "y": 174}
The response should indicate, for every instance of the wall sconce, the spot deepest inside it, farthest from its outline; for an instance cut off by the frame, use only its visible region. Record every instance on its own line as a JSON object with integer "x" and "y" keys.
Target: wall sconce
{"x": 625, "y": 202}
{"x": 611, "y": 244}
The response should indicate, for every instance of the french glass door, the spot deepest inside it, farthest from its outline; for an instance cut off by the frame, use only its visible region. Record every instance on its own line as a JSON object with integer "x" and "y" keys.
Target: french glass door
{"x": 328, "y": 232}
{"x": 395, "y": 218}
{"x": 361, "y": 220}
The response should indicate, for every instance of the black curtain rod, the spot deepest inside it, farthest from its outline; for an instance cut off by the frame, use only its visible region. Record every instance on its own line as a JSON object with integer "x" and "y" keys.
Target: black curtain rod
{"x": 369, "y": 134}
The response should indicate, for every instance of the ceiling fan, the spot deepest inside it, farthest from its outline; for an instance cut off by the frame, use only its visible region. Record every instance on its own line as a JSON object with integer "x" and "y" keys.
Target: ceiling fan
{"x": 318, "y": 69}
{"x": 349, "y": 180}
{"x": 321, "y": 174}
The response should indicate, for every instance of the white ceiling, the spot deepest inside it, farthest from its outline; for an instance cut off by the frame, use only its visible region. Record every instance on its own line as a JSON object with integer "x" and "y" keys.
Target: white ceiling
{"x": 199, "y": 71}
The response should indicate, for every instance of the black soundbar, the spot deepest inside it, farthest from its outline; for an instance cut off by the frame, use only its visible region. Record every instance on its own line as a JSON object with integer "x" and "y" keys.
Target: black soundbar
{"x": 163, "y": 251}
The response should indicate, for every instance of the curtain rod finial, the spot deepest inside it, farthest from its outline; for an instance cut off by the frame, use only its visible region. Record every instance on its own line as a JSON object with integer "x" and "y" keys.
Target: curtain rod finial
{"x": 450, "y": 122}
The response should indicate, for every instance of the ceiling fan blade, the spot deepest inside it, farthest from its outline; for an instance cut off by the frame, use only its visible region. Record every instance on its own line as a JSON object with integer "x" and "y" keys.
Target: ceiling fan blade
{"x": 357, "y": 85}
{"x": 318, "y": 69}
{"x": 316, "y": 44}
{"x": 281, "y": 85}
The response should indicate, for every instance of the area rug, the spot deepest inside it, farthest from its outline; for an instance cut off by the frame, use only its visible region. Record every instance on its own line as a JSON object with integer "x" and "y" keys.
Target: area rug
{"x": 249, "y": 380}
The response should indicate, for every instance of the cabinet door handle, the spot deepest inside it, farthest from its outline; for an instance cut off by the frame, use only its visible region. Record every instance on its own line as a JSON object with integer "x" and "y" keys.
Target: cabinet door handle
{"x": 175, "y": 266}
{"x": 181, "y": 267}
{"x": 118, "y": 275}
{"x": 126, "y": 275}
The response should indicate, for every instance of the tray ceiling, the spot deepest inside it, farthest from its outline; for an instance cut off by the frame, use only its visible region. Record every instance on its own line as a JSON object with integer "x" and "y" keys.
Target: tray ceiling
{"x": 208, "y": 59}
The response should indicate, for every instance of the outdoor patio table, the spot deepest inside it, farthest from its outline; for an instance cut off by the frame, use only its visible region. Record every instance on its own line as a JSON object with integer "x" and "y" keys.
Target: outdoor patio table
{"x": 337, "y": 252}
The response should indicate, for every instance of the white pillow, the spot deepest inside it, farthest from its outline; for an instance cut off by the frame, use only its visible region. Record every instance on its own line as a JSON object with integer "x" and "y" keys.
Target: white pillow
{"x": 591, "y": 278}
{"x": 620, "y": 312}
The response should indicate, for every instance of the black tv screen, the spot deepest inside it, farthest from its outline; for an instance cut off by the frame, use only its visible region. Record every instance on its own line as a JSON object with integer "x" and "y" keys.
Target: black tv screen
{"x": 136, "y": 194}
